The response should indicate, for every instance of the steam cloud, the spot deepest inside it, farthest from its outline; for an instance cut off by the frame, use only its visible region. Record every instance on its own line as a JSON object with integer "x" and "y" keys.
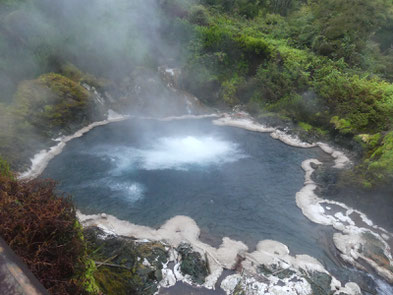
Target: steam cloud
{"x": 104, "y": 37}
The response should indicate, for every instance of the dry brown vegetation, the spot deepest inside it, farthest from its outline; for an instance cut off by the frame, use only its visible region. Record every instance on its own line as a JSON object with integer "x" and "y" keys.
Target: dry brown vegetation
{"x": 42, "y": 229}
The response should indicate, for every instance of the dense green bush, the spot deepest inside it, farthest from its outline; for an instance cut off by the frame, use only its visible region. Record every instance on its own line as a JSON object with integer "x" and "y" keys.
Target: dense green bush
{"x": 199, "y": 15}
{"x": 364, "y": 104}
{"x": 379, "y": 165}
{"x": 343, "y": 33}
{"x": 51, "y": 102}
{"x": 5, "y": 169}
{"x": 284, "y": 75}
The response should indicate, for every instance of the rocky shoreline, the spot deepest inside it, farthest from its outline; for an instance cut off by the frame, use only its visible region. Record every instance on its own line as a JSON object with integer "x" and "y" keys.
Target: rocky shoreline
{"x": 270, "y": 268}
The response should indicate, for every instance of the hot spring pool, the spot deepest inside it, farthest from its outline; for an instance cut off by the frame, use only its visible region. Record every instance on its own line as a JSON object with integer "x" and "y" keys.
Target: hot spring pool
{"x": 231, "y": 181}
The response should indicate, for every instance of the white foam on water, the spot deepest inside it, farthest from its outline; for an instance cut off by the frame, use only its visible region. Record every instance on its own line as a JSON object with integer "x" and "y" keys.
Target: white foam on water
{"x": 352, "y": 238}
{"x": 180, "y": 152}
{"x": 245, "y": 121}
{"x": 129, "y": 191}
{"x": 177, "y": 153}
{"x": 41, "y": 160}
{"x": 168, "y": 277}
{"x": 181, "y": 117}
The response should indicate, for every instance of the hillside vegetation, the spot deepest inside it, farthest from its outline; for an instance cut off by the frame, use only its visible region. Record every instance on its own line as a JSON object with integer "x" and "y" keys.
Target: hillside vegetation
{"x": 324, "y": 64}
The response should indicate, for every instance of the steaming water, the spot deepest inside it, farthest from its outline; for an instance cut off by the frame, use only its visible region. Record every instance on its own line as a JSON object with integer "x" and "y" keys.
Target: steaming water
{"x": 231, "y": 181}
{"x": 177, "y": 153}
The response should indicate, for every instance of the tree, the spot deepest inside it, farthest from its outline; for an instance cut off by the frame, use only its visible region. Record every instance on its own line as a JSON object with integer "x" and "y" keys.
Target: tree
{"x": 346, "y": 25}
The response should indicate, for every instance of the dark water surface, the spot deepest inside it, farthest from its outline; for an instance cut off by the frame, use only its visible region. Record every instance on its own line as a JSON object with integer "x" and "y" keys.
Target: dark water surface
{"x": 377, "y": 204}
{"x": 231, "y": 181}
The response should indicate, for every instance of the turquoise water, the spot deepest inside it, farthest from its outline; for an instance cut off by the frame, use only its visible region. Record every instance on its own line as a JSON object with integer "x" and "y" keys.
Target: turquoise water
{"x": 231, "y": 181}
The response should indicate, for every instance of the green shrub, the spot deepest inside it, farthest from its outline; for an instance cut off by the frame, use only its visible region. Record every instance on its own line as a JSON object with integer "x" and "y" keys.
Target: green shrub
{"x": 366, "y": 104}
{"x": 368, "y": 141}
{"x": 254, "y": 46}
{"x": 380, "y": 166}
{"x": 5, "y": 169}
{"x": 306, "y": 127}
{"x": 51, "y": 102}
{"x": 199, "y": 15}
{"x": 342, "y": 125}
{"x": 286, "y": 74}
{"x": 229, "y": 90}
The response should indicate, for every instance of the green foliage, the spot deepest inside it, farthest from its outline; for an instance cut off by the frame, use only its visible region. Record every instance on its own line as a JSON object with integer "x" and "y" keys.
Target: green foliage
{"x": 72, "y": 72}
{"x": 369, "y": 142}
{"x": 5, "y": 169}
{"x": 132, "y": 275}
{"x": 12, "y": 143}
{"x": 237, "y": 50}
{"x": 317, "y": 63}
{"x": 89, "y": 283}
{"x": 41, "y": 109}
{"x": 229, "y": 88}
{"x": 251, "y": 8}
{"x": 380, "y": 165}
{"x": 226, "y": 36}
{"x": 254, "y": 46}
{"x": 342, "y": 125}
{"x": 306, "y": 127}
{"x": 111, "y": 282}
{"x": 281, "y": 6}
{"x": 199, "y": 15}
{"x": 51, "y": 102}
{"x": 284, "y": 75}
{"x": 364, "y": 104}
{"x": 343, "y": 33}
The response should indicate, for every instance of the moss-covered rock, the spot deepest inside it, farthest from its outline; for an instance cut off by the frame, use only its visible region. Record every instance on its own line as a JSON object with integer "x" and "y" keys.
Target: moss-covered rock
{"x": 125, "y": 266}
{"x": 52, "y": 102}
{"x": 192, "y": 264}
{"x": 114, "y": 282}
{"x": 320, "y": 283}
{"x": 43, "y": 108}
